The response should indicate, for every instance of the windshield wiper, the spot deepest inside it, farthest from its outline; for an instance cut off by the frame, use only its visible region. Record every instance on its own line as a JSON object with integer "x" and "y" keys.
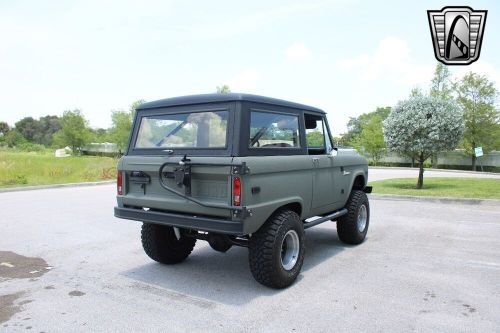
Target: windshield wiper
{"x": 172, "y": 132}
{"x": 258, "y": 135}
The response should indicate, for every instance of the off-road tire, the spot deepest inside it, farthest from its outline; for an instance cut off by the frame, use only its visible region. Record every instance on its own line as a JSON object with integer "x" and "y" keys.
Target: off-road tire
{"x": 347, "y": 225}
{"x": 160, "y": 244}
{"x": 265, "y": 250}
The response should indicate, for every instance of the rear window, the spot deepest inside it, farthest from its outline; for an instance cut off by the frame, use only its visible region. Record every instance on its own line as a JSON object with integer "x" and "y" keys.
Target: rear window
{"x": 273, "y": 130}
{"x": 183, "y": 130}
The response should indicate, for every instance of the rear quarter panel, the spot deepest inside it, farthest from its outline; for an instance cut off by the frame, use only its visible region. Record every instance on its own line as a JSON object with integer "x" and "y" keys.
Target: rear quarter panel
{"x": 281, "y": 179}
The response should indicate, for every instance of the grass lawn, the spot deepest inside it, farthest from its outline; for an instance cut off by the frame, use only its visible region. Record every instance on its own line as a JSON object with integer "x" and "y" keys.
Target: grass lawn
{"x": 30, "y": 168}
{"x": 441, "y": 187}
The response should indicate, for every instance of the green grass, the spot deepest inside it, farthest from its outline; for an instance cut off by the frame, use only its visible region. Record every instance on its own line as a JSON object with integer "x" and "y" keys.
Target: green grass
{"x": 484, "y": 188}
{"x": 30, "y": 168}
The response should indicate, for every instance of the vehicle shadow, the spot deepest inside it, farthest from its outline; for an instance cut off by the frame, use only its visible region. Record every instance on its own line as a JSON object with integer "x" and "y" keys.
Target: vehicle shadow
{"x": 226, "y": 277}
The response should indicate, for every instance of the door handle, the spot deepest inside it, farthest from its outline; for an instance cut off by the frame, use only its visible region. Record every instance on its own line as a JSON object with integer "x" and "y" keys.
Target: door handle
{"x": 315, "y": 160}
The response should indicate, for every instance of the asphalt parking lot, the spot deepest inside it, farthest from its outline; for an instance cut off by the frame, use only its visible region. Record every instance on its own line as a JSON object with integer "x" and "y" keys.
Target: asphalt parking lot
{"x": 66, "y": 264}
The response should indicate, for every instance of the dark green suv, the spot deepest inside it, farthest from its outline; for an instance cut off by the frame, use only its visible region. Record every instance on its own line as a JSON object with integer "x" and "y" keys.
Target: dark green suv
{"x": 237, "y": 169}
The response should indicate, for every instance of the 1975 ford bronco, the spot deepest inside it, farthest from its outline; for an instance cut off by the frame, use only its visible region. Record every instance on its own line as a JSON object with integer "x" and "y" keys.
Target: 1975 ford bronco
{"x": 238, "y": 169}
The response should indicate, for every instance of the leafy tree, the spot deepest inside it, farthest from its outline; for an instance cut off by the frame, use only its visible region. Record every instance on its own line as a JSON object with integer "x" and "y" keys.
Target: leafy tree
{"x": 441, "y": 86}
{"x": 28, "y": 127}
{"x": 224, "y": 89}
{"x": 422, "y": 126}
{"x": 371, "y": 138}
{"x": 120, "y": 130}
{"x": 4, "y": 128}
{"x": 355, "y": 124}
{"x": 476, "y": 96}
{"x": 13, "y": 138}
{"x": 416, "y": 91}
{"x": 122, "y": 125}
{"x": 74, "y": 130}
{"x": 46, "y": 128}
{"x": 99, "y": 135}
{"x": 315, "y": 138}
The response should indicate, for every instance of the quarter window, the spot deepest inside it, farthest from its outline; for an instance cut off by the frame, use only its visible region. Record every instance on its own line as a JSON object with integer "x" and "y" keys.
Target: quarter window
{"x": 273, "y": 130}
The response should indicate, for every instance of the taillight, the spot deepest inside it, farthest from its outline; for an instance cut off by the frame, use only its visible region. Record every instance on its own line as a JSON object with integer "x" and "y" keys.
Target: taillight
{"x": 236, "y": 191}
{"x": 119, "y": 183}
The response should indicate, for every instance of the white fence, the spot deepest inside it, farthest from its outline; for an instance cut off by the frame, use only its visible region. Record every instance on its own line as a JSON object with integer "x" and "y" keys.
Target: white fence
{"x": 458, "y": 158}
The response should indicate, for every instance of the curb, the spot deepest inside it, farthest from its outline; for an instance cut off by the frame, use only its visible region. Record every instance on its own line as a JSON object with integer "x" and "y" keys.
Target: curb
{"x": 440, "y": 170}
{"x": 45, "y": 187}
{"x": 445, "y": 200}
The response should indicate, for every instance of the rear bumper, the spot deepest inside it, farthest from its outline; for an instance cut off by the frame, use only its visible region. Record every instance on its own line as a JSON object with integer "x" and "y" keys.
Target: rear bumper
{"x": 186, "y": 221}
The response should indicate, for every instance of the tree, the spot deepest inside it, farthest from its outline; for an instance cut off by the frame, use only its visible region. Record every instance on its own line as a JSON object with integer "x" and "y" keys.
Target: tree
{"x": 223, "y": 89}
{"x": 416, "y": 91}
{"x": 441, "y": 86}
{"x": 120, "y": 130}
{"x": 315, "y": 138}
{"x": 13, "y": 138}
{"x": 122, "y": 125}
{"x": 99, "y": 135}
{"x": 28, "y": 127}
{"x": 74, "y": 131}
{"x": 371, "y": 138}
{"x": 4, "y": 128}
{"x": 355, "y": 124}
{"x": 476, "y": 97}
{"x": 46, "y": 128}
{"x": 422, "y": 126}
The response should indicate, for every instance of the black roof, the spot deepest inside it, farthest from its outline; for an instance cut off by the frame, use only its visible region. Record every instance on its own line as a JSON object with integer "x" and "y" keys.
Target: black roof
{"x": 215, "y": 98}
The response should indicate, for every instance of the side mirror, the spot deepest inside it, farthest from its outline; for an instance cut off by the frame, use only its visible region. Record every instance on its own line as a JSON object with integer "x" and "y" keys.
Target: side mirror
{"x": 334, "y": 152}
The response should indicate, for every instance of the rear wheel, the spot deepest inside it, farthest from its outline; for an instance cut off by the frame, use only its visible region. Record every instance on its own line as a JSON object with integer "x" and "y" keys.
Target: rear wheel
{"x": 353, "y": 226}
{"x": 276, "y": 250}
{"x": 162, "y": 245}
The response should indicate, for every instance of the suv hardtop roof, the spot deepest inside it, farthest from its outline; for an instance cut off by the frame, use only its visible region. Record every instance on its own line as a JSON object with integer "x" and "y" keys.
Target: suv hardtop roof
{"x": 215, "y": 98}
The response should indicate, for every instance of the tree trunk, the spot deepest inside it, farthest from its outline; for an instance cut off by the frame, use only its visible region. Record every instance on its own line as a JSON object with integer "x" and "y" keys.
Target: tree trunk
{"x": 420, "y": 182}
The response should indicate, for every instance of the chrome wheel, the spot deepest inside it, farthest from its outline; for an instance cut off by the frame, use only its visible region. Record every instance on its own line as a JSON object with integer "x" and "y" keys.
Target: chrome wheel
{"x": 290, "y": 248}
{"x": 362, "y": 217}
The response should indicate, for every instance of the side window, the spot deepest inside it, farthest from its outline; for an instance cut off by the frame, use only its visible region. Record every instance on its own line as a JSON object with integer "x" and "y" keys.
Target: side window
{"x": 273, "y": 130}
{"x": 315, "y": 134}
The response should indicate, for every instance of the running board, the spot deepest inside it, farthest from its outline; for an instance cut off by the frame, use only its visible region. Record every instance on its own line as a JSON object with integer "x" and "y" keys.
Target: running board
{"x": 329, "y": 217}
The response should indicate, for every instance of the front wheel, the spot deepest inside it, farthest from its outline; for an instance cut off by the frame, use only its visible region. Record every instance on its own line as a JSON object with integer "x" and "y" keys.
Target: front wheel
{"x": 162, "y": 245}
{"x": 353, "y": 226}
{"x": 276, "y": 250}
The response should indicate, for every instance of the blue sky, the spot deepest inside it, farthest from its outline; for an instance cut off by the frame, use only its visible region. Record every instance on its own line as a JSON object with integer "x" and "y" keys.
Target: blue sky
{"x": 346, "y": 57}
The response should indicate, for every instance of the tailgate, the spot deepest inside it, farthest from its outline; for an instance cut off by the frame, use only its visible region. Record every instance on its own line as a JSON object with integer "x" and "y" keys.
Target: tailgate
{"x": 209, "y": 184}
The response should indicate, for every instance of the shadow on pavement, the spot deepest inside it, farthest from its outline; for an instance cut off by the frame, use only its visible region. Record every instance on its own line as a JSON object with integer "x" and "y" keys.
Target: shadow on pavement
{"x": 226, "y": 277}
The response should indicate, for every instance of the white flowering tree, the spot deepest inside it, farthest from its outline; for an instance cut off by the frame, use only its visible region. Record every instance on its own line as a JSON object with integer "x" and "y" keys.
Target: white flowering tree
{"x": 422, "y": 126}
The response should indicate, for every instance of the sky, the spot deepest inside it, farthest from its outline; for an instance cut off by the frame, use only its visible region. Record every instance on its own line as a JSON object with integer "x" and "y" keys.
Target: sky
{"x": 343, "y": 56}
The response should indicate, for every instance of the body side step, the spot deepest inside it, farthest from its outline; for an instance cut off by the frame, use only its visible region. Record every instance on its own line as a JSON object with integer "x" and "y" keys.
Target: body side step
{"x": 326, "y": 218}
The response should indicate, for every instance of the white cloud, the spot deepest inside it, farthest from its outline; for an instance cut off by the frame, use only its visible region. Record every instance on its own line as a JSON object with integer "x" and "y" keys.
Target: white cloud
{"x": 298, "y": 51}
{"x": 391, "y": 60}
{"x": 244, "y": 81}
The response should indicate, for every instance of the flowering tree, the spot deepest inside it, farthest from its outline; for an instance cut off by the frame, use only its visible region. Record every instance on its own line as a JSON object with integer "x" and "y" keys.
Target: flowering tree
{"x": 422, "y": 126}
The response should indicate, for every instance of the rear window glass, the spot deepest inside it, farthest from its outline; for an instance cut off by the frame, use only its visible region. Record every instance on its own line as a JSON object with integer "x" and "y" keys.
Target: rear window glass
{"x": 273, "y": 130}
{"x": 183, "y": 130}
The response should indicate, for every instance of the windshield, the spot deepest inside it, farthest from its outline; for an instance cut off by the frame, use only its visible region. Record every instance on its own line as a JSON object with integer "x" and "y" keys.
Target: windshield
{"x": 184, "y": 130}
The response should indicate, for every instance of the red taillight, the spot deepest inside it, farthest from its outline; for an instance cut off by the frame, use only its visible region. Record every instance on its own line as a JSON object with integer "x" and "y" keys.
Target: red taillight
{"x": 236, "y": 191}
{"x": 119, "y": 183}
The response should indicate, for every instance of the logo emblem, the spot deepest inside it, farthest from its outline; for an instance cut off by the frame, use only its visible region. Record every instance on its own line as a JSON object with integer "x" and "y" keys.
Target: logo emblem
{"x": 457, "y": 33}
